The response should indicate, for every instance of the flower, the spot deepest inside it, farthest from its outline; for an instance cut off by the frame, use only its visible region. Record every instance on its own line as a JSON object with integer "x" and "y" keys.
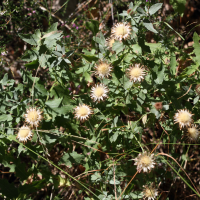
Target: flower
{"x": 150, "y": 192}
{"x": 183, "y": 117}
{"x": 33, "y": 116}
{"x": 34, "y": 11}
{"x": 99, "y": 92}
{"x": 121, "y": 31}
{"x": 144, "y": 162}
{"x": 136, "y": 73}
{"x": 77, "y": 28}
{"x": 192, "y": 133}
{"x": 109, "y": 42}
{"x": 197, "y": 89}
{"x": 82, "y": 112}
{"x": 24, "y": 134}
{"x": 103, "y": 69}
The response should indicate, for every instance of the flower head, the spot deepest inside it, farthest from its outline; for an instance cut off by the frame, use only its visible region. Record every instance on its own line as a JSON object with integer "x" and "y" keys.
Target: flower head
{"x": 24, "y": 134}
{"x": 82, "y": 112}
{"x": 109, "y": 42}
{"x": 150, "y": 192}
{"x": 121, "y": 31}
{"x": 184, "y": 118}
{"x": 193, "y": 133}
{"x": 99, "y": 92}
{"x": 136, "y": 73}
{"x": 33, "y": 116}
{"x": 103, "y": 69}
{"x": 144, "y": 162}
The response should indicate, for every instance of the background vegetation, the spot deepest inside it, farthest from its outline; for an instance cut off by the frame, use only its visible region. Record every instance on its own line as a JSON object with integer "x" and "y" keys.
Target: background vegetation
{"x": 49, "y": 50}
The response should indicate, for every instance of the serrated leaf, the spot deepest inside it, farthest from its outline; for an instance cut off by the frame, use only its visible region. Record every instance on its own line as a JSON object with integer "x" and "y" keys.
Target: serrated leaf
{"x": 150, "y": 27}
{"x": 154, "y": 8}
{"x": 33, "y": 39}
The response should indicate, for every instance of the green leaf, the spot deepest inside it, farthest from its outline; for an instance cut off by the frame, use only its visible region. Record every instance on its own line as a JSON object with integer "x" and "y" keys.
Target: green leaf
{"x": 140, "y": 10}
{"x": 53, "y": 27}
{"x": 33, "y": 65}
{"x": 65, "y": 159}
{"x": 117, "y": 46}
{"x": 54, "y": 103}
{"x": 90, "y": 58}
{"x": 173, "y": 64}
{"x": 93, "y": 26}
{"x": 160, "y": 75}
{"x": 5, "y": 117}
{"x": 154, "y": 46}
{"x": 196, "y": 46}
{"x": 178, "y": 6}
{"x": 150, "y": 27}
{"x": 8, "y": 189}
{"x": 41, "y": 88}
{"x": 87, "y": 77}
{"x": 153, "y": 9}
{"x": 77, "y": 157}
{"x": 33, "y": 39}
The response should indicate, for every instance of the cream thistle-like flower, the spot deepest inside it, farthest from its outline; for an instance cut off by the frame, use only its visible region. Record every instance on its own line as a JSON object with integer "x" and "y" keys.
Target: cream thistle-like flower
{"x": 103, "y": 69}
{"x": 149, "y": 192}
{"x": 144, "y": 162}
{"x": 121, "y": 31}
{"x": 99, "y": 92}
{"x": 24, "y": 134}
{"x": 184, "y": 118}
{"x": 136, "y": 73}
{"x": 109, "y": 42}
{"x": 82, "y": 112}
{"x": 192, "y": 133}
{"x": 33, "y": 116}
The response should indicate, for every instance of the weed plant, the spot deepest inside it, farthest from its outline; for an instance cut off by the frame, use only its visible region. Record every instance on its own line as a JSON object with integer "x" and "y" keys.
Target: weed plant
{"x": 116, "y": 120}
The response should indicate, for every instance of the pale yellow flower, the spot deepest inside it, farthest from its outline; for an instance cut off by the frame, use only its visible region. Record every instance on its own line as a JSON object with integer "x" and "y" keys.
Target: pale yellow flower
{"x": 24, "y": 134}
{"x": 121, "y": 31}
{"x": 33, "y": 116}
{"x": 103, "y": 69}
{"x": 136, "y": 73}
{"x": 192, "y": 133}
{"x": 144, "y": 161}
{"x": 150, "y": 192}
{"x": 99, "y": 92}
{"x": 184, "y": 118}
{"x": 83, "y": 112}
